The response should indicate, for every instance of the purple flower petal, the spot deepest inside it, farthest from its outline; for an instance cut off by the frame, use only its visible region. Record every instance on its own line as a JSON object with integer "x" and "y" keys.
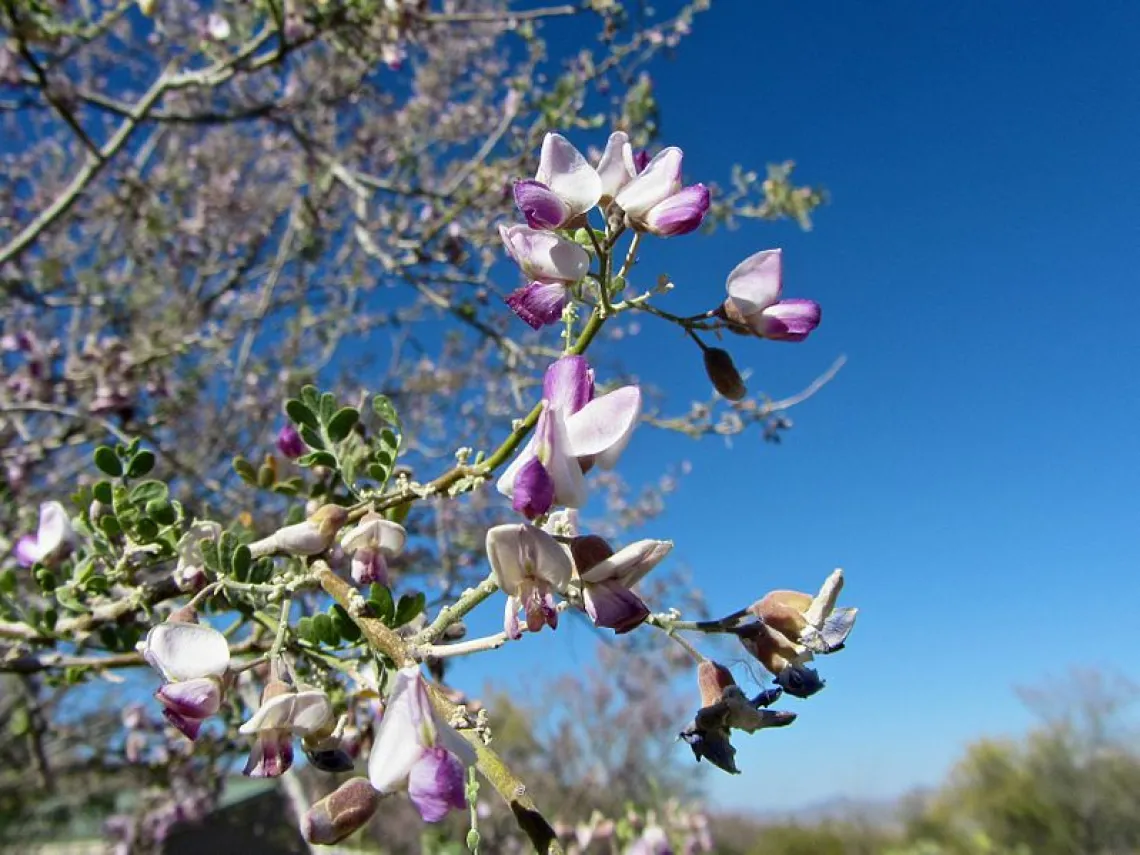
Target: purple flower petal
{"x": 198, "y": 698}
{"x": 369, "y": 567}
{"x": 787, "y": 320}
{"x": 533, "y": 490}
{"x": 680, "y": 214}
{"x": 568, "y": 384}
{"x": 540, "y": 205}
{"x": 27, "y": 550}
{"x": 614, "y": 606}
{"x": 271, "y": 755}
{"x": 539, "y": 303}
{"x": 436, "y": 784}
{"x": 188, "y": 727}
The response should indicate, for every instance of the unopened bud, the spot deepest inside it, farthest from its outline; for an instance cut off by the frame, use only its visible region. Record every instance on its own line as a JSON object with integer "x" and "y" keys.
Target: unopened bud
{"x": 723, "y": 374}
{"x": 148, "y": 7}
{"x": 311, "y": 537}
{"x": 589, "y": 550}
{"x": 340, "y": 813}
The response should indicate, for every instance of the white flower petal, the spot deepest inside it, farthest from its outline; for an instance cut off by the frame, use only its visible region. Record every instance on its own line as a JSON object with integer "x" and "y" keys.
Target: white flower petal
{"x": 616, "y": 167}
{"x": 756, "y": 283}
{"x": 660, "y": 179}
{"x": 564, "y": 170}
{"x": 630, "y": 564}
{"x": 824, "y": 602}
{"x": 505, "y": 557}
{"x": 544, "y": 558}
{"x": 183, "y": 651}
{"x": 603, "y": 427}
{"x": 448, "y": 738}
{"x": 55, "y": 531}
{"x": 562, "y": 464}
{"x": 375, "y": 532}
{"x": 399, "y": 736}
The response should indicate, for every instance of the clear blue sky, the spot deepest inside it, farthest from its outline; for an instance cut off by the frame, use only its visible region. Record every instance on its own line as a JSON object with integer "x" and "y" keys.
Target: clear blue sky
{"x": 974, "y": 467}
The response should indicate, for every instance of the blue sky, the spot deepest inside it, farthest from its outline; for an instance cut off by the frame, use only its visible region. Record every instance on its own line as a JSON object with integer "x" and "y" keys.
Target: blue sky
{"x": 974, "y": 467}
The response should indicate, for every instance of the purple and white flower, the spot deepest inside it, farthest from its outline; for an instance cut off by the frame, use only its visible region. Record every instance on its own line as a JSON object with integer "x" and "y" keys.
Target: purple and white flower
{"x": 656, "y": 202}
{"x": 371, "y": 542}
{"x": 193, "y": 660}
{"x": 563, "y": 190}
{"x": 530, "y": 566}
{"x": 754, "y": 300}
{"x": 575, "y": 430}
{"x": 415, "y": 748}
{"x": 551, "y": 263}
{"x": 283, "y": 715}
{"x": 53, "y": 539}
{"x": 607, "y": 579}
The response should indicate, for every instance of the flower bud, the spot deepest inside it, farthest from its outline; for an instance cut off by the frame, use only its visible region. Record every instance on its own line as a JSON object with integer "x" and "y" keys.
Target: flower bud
{"x": 289, "y": 442}
{"x": 340, "y": 813}
{"x": 311, "y": 537}
{"x": 723, "y": 374}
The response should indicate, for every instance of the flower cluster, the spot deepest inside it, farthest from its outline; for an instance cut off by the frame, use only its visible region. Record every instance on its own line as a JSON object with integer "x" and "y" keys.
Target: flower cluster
{"x": 530, "y": 566}
{"x": 647, "y": 197}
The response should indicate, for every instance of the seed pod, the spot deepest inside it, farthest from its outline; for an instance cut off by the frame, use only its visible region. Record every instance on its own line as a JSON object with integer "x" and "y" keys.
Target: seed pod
{"x": 723, "y": 374}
